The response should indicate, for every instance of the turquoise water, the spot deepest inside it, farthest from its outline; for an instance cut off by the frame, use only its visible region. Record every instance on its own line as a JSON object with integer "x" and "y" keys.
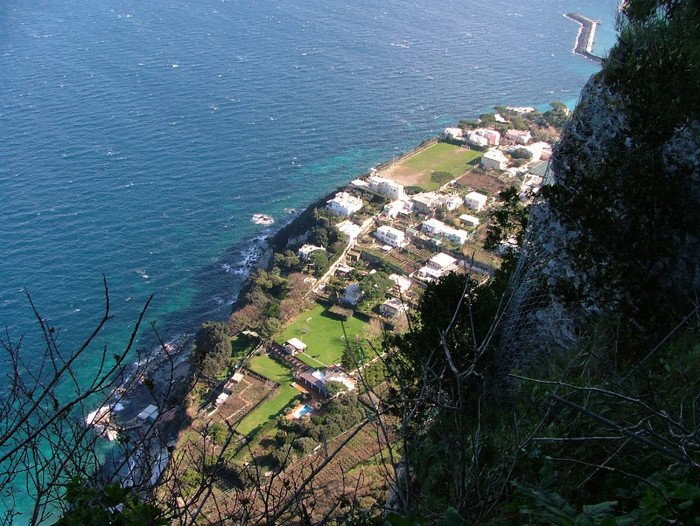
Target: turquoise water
{"x": 304, "y": 410}
{"x": 137, "y": 139}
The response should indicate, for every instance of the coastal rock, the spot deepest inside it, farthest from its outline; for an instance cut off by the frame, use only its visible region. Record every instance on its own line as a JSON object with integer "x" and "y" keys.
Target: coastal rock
{"x": 605, "y": 239}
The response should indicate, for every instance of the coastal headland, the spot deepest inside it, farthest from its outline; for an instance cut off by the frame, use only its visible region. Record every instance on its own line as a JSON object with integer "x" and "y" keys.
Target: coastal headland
{"x": 302, "y": 347}
{"x": 586, "y": 36}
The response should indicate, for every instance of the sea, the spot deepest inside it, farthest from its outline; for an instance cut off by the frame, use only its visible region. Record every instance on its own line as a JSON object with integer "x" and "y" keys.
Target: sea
{"x": 138, "y": 139}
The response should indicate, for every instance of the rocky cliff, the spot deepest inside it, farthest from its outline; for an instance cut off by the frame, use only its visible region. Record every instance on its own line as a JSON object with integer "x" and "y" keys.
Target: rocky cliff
{"x": 613, "y": 245}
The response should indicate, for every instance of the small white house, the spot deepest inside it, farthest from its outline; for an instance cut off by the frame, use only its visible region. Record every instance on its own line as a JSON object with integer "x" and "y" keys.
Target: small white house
{"x": 345, "y": 204}
{"x": 391, "y": 236}
{"x": 494, "y": 159}
{"x": 352, "y": 294}
{"x": 350, "y": 229}
{"x": 441, "y": 261}
{"x": 519, "y": 136}
{"x": 391, "y": 307}
{"x": 475, "y": 201}
{"x": 453, "y": 133}
{"x": 305, "y": 250}
{"x": 455, "y": 235}
{"x": 468, "y": 220}
{"x": 294, "y": 346}
{"x": 484, "y": 137}
{"x": 433, "y": 227}
{"x": 403, "y": 283}
{"x": 450, "y": 201}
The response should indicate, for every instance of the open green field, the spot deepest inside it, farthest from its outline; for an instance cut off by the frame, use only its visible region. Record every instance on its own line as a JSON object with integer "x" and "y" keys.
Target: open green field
{"x": 323, "y": 333}
{"x": 269, "y": 409}
{"x": 271, "y": 369}
{"x": 241, "y": 345}
{"x": 441, "y": 157}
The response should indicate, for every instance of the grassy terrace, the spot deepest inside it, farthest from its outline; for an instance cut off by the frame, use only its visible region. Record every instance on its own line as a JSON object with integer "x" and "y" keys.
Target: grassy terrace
{"x": 323, "y": 333}
{"x": 269, "y": 409}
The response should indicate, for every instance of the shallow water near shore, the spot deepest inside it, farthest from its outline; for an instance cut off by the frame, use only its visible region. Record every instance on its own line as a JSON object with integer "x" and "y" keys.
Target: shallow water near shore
{"x": 138, "y": 139}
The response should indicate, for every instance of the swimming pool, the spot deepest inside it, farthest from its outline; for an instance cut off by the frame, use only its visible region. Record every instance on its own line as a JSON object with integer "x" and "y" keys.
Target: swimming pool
{"x": 302, "y": 410}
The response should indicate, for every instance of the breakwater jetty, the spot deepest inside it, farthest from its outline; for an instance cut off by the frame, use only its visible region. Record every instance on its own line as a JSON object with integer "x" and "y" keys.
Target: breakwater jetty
{"x": 585, "y": 37}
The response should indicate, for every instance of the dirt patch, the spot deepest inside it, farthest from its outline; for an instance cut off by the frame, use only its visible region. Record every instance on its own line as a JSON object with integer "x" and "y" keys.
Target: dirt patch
{"x": 484, "y": 182}
{"x": 403, "y": 175}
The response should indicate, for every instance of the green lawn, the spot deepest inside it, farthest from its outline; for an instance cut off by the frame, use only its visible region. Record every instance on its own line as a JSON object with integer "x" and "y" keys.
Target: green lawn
{"x": 241, "y": 345}
{"x": 271, "y": 369}
{"x": 441, "y": 157}
{"x": 269, "y": 409}
{"x": 323, "y": 333}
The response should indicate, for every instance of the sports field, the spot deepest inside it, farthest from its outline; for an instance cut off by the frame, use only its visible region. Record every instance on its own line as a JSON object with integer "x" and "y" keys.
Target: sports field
{"x": 440, "y": 157}
{"x": 322, "y": 331}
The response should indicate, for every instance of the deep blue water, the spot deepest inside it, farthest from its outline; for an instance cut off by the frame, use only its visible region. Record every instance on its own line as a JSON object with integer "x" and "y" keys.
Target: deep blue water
{"x": 138, "y": 138}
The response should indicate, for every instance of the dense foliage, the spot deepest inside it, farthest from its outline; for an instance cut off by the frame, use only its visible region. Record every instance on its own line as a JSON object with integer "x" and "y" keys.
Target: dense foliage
{"x": 213, "y": 346}
{"x": 627, "y": 185}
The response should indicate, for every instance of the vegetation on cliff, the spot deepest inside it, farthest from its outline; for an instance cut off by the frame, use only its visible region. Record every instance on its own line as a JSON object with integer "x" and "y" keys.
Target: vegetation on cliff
{"x": 469, "y": 425}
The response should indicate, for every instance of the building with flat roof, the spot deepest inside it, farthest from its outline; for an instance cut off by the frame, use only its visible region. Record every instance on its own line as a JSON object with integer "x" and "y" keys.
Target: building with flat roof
{"x": 391, "y": 236}
{"x": 441, "y": 261}
{"x": 494, "y": 159}
{"x": 387, "y": 187}
{"x": 344, "y": 204}
{"x": 392, "y": 307}
{"x": 294, "y": 346}
{"x": 475, "y": 201}
{"x": 468, "y": 220}
{"x": 519, "y": 136}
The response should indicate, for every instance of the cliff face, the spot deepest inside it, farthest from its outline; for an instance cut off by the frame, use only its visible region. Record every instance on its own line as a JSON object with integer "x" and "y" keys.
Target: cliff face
{"x": 614, "y": 240}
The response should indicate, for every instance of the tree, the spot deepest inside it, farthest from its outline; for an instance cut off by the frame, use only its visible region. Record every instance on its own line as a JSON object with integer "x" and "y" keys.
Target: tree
{"x": 47, "y": 451}
{"x": 508, "y": 220}
{"x": 319, "y": 259}
{"x": 558, "y": 115}
{"x": 111, "y": 504}
{"x": 213, "y": 346}
{"x": 269, "y": 328}
{"x": 521, "y": 153}
{"x": 335, "y": 388}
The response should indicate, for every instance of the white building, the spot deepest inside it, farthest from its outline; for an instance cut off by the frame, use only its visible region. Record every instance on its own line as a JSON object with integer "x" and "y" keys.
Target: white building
{"x": 456, "y": 235}
{"x": 392, "y": 307}
{"x": 484, "y": 137}
{"x": 403, "y": 283}
{"x": 450, "y": 201}
{"x": 442, "y": 261}
{"x": 294, "y": 346}
{"x": 469, "y": 220}
{"x": 345, "y": 204}
{"x": 475, "y": 201}
{"x": 391, "y": 236}
{"x": 387, "y": 187}
{"x": 453, "y": 133}
{"x": 494, "y": 159}
{"x": 352, "y": 294}
{"x": 305, "y": 250}
{"x": 424, "y": 203}
{"x": 396, "y": 208}
{"x": 433, "y": 227}
{"x": 519, "y": 136}
{"x": 439, "y": 265}
{"x": 521, "y": 110}
{"x": 350, "y": 229}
